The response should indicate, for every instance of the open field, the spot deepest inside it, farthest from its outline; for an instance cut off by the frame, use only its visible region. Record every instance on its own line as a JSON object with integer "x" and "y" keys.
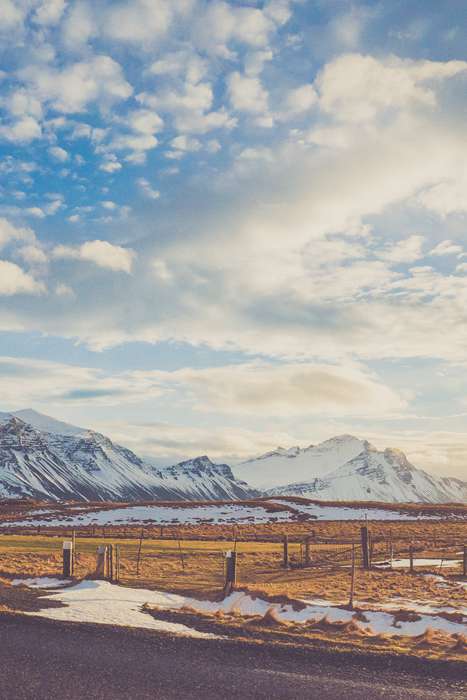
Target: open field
{"x": 188, "y": 559}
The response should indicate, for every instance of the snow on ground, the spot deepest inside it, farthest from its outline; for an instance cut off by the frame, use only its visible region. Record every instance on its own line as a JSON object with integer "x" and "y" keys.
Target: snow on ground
{"x": 41, "y": 582}
{"x": 322, "y": 512}
{"x": 238, "y": 513}
{"x": 105, "y": 603}
{"x": 405, "y": 563}
{"x": 160, "y": 515}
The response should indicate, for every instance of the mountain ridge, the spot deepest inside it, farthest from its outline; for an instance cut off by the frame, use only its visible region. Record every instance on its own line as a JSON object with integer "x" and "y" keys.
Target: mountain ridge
{"x": 89, "y": 466}
{"x": 48, "y": 458}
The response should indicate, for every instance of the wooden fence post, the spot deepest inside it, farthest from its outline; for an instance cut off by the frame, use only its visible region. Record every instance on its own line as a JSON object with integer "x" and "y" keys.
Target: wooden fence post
{"x": 230, "y": 571}
{"x": 117, "y": 563}
{"x": 352, "y": 579}
{"x": 307, "y": 551}
{"x": 110, "y": 559}
{"x": 365, "y": 548}
{"x": 139, "y": 552}
{"x": 411, "y": 558}
{"x": 101, "y": 561}
{"x": 68, "y": 559}
{"x": 285, "y": 562}
{"x": 73, "y": 556}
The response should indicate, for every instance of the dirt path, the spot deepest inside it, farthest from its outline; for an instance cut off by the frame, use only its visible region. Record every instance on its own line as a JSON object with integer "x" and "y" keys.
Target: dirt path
{"x": 44, "y": 660}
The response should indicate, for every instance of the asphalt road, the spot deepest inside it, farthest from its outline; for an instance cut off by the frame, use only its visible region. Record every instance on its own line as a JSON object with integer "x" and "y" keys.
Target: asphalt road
{"x": 44, "y": 660}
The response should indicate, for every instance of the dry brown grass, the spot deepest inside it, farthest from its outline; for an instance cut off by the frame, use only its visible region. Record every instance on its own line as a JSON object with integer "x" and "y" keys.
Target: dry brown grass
{"x": 196, "y": 568}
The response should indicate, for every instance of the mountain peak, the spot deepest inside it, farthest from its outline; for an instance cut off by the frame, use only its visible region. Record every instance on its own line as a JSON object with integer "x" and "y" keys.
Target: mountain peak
{"x": 40, "y": 421}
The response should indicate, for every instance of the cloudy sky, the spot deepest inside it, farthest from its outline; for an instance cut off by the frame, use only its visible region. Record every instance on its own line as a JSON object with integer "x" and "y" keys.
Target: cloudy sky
{"x": 230, "y": 225}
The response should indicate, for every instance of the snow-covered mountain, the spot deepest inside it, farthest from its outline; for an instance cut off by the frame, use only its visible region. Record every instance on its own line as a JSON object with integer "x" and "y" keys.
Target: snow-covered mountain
{"x": 298, "y": 464}
{"x": 41, "y": 457}
{"x": 345, "y": 468}
{"x": 44, "y": 458}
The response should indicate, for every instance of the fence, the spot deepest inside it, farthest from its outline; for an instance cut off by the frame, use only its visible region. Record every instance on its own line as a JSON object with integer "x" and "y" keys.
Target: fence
{"x": 287, "y": 564}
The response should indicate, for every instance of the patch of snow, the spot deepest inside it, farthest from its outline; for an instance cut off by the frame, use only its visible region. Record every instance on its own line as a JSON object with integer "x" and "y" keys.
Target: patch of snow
{"x": 160, "y": 515}
{"x": 405, "y": 563}
{"x": 324, "y": 512}
{"x": 105, "y": 603}
{"x": 41, "y": 582}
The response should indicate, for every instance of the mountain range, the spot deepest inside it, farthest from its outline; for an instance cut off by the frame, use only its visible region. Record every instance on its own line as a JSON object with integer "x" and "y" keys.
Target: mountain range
{"x": 47, "y": 459}
{"x": 44, "y": 458}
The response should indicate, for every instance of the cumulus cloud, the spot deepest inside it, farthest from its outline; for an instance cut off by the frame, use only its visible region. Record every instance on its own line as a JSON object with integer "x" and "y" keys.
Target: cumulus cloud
{"x": 96, "y": 79}
{"x": 58, "y": 154}
{"x": 358, "y": 88}
{"x": 49, "y": 12}
{"x": 247, "y": 94}
{"x": 14, "y": 280}
{"x": 447, "y": 248}
{"x": 101, "y": 253}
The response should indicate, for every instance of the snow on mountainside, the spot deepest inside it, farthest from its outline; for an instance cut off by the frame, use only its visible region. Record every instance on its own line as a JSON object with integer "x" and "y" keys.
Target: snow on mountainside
{"x": 297, "y": 464}
{"x": 372, "y": 475}
{"x": 64, "y": 462}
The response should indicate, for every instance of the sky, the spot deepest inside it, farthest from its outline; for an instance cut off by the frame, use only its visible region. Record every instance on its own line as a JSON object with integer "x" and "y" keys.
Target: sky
{"x": 226, "y": 226}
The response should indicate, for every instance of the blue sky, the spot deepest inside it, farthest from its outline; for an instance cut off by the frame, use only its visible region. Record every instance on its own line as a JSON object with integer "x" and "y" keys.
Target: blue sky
{"x": 229, "y": 225}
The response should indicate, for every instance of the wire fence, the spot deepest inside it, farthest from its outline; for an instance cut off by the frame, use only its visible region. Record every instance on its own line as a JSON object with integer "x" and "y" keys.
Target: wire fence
{"x": 199, "y": 566}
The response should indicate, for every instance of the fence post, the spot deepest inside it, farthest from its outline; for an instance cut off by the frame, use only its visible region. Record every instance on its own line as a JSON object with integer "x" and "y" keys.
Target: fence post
{"x": 230, "y": 571}
{"x": 67, "y": 559}
{"x": 307, "y": 551}
{"x": 352, "y": 579}
{"x": 365, "y": 548}
{"x": 117, "y": 563}
{"x": 411, "y": 558}
{"x": 101, "y": 561}
{"x": 73, "y": 556}
{"x": 285, "y": 563}
{"x": 110, "y": 559}
{"x": 139, "y": 552}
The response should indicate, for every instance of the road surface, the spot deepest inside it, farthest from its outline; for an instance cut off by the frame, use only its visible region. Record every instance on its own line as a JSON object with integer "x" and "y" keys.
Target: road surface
{"x": 45, "y": 660}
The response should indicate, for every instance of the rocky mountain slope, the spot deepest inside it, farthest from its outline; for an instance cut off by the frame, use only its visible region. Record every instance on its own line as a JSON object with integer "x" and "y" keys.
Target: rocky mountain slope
{"x": 345, "y": 469}
{"x": 41, "y": 457}
{"x": 54, "y": 460}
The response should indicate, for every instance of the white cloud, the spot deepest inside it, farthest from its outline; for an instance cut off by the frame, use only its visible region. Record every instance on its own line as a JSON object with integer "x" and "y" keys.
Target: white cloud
{"x": 13, "y": 280}
{"x": 101, "y": 253}
{"x": 285, "y": 390}
{"x": 49, "y": 12}
{"x": 147, "y": 189}
{"x": 23, "y": 130}
{"x": 298, "y": 101}
{"x": 447, "y": 197}
{"x": 189, "y": 108}
{"x": 9, "y": 233}
{"x": 64, "y": 291}
{"x": 97, "y": 79}
{"x": 447, "y": 248}
{"x": 185, "y": 143}
{"x": 405, "y": 251}
{"x": 247, "y": 94}
{"x": 59, "y": 153}
{"x": 33, "y": 255}
{"x": 357, "y": 88}
{"x": 80, "y": 25}
{"x": 11, "y": 15}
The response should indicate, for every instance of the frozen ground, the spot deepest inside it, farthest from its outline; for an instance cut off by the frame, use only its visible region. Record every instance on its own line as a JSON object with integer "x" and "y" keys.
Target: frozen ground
{"x": 105, "y": 603}
{"x": 235, "y": 513}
